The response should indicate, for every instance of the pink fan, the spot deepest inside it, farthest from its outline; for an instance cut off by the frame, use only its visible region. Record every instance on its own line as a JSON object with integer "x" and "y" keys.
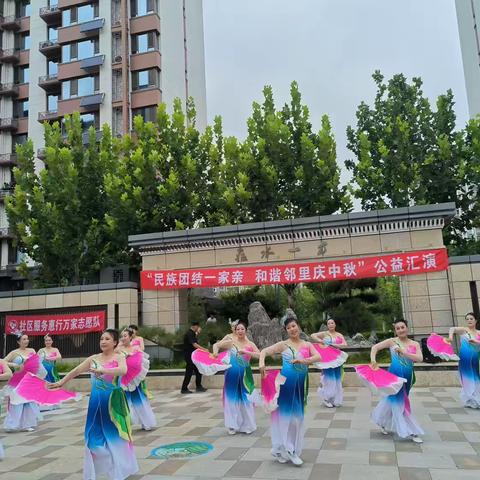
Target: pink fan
{"x": 34, "y": 389}
{"x": 271, "y": 389}
{"x": 380, "y": 381}
{"x": 208, "y": 365}
{"x": 137, "y": 369}
{"x": 439, "y": 347}
{"x": 33, "y": 365}
{"x": 330, "y": 357}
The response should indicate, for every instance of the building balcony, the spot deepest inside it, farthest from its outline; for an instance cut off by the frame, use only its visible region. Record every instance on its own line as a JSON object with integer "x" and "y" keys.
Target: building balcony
{"x": 5, "y": 192}
{"x": 9, "y": 124}
{"x": 92, "y": 64}
{"x": 145, "y": 23}
{"x": 62, "y": 4}
{"x": 80, "y": 31}
{"x": 85, "y": 104}
{"x": 50, "y": 48}
{"x": 8, "y": 90}
{"x": 10, "y": 55}
{"x": 8, "y": 159}
{"x": 51, "y": 15}
{"x": 146, "y": 97}
{"x": 50, "y": 83}
{"x": 41, "y": 154}
{"x": 48, "y": 116}
{"x": 5, "y": 232}
{"x": 146, "y": 60}
{"x": 10, "y": 22}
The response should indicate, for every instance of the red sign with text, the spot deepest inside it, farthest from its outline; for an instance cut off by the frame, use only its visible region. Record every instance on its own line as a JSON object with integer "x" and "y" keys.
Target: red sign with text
{"x": 410, "y": 263}
{"x": 58, "y": 324}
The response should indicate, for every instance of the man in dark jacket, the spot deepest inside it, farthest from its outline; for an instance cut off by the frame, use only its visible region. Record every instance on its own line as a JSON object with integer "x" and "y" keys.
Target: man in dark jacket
{"x": 189, "y": 346}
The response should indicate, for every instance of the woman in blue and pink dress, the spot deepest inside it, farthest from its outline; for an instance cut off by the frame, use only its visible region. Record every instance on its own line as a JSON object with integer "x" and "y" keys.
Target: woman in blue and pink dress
{"x": 286, "y": 427}
{"x": 108, "y": 441}
{"x": 50, "y": 355}
{"x": 393, "y": 413}
{"x": 5, "y": 374}
{"x": 238, "y": 404}
{"x": 26, "y": 415}
{"x": 468, "y": 365}
{"x": 138, "y": 396}
{"x": 331, "y": 390}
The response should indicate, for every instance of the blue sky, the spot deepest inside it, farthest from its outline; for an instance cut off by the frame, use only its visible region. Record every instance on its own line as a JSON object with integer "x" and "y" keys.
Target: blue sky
{"x": 331, "y": 47}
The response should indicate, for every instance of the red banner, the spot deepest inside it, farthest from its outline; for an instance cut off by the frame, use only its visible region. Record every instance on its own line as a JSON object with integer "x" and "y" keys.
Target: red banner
{"x": 410, "y": 263}
{"x": 56, "y": 324}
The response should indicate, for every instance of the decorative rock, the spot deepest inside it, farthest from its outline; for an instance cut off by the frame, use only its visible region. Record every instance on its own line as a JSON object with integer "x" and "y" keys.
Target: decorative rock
{"x": 261, "y": 329}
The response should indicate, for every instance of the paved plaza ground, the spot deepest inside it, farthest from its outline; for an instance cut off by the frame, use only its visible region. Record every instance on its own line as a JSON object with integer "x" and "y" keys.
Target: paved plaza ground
{"x": 339, "y": 443}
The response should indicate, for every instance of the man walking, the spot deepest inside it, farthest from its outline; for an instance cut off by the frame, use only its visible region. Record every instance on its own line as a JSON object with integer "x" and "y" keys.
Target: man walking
{"x": 189, "y": 346}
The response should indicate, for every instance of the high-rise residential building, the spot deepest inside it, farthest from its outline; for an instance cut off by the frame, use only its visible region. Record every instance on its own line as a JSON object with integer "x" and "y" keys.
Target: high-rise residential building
{"x": 468, "y": 18}
{"x": 107, "y": 59}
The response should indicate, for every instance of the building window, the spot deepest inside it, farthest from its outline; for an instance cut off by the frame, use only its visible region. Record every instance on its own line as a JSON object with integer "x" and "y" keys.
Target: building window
{"x": 83, "y": 13}
{"x": 23, "y": 8}
{"x": 145, "y": 79}
{"x": 52, "y": 68}
{"x": 88, "y": 120}
{"x": 149, "y": 114}
{"x": 79, "y": 87}
{"x": 145, "y": 42}
{"x": 80, "y": 50}
{"x": 52, "y": 103}
{"x": 21, "y": 74}
{"x": 142, "y": 7}
{"x": 23, "y": 41}
{"x": 52, "y": 34}
{"x": 18, "y": 140}
{"x": 21, "y": 108}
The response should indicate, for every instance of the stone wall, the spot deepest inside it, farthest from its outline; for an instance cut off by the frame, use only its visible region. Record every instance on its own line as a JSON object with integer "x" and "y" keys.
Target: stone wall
{"x": 464, "y": 275}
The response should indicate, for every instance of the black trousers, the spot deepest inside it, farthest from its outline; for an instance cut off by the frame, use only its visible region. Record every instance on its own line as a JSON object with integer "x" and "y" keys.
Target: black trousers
{"x": 191, "y": 369}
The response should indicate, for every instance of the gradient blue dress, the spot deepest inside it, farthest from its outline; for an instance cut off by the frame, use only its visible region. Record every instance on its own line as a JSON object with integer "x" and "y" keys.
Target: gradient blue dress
{"x": 287, "y": 421}
{"x": 238, "y": 408}
{"x": 108, "y": 441}
{"x": 331, "y": 389}
{"x": 23, "y": 416}
{"x": 50, "y": 365}
{"x": 468, "y": 368}
{"x": 393, "y": 412}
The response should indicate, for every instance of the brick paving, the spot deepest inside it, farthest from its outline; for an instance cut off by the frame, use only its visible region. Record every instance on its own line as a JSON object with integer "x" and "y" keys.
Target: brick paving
{"x": 340, "y": 443}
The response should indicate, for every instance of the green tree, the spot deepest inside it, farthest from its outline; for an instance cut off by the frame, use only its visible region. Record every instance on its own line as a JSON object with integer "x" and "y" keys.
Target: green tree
{"x": 56, "y": 213}
{"x": 283, "y": 169}
{"x": 408, "y": 153}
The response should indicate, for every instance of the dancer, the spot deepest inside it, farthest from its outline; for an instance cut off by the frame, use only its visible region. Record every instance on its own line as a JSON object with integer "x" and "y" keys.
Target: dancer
{"x": 287, "y": 428}
{"x": 238, "y": 408}
{"x": 26, "y": 415}
{"x": 141, "y": 412}
{"x": 331, "y": 390}
{"x": 137, "y": 341}
{"x": 108, "y": 439}
{"x": 5, "y": 374}
{"x": 468, "y": 364}
{"x": 393, "y": 413}
{"x": 50, "y": 355}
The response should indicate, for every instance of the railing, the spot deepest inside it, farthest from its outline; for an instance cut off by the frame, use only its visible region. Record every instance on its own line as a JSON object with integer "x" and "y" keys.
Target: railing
{"x": 49, "y": 10}
{"x": 8, "y": 88}
{"x": 5, "y": 232}
{"x": 48, "y": 115}
{"x": 48, "y": 78}
{"x": 10, "y": 21}
{"x": 9, "y": 52}
{"x": 5, "y": 192}
{"x": 45, "y": 44}
{"x": 8, "y": 122}
{"x": 8, "y": 158}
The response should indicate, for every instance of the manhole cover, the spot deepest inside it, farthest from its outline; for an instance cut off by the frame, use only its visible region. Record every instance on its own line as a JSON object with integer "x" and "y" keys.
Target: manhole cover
{"x": 181, "y": 450}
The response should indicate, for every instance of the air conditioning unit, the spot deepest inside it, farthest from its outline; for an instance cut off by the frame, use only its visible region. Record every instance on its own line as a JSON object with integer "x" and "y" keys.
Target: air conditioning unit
{"x": 117, "y": 59}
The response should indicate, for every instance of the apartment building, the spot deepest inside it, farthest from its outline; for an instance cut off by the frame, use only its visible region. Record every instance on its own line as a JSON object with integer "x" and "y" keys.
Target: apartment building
{"x": 107, "y": 59}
